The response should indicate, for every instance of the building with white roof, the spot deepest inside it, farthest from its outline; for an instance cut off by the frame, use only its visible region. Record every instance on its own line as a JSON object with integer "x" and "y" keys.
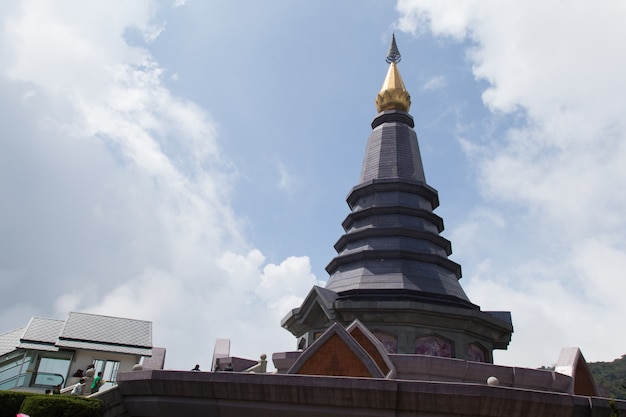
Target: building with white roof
{"x": 50, "y": 352}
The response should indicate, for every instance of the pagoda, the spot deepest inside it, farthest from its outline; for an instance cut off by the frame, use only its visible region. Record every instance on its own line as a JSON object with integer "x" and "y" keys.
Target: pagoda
{"x": 392, "y": 271}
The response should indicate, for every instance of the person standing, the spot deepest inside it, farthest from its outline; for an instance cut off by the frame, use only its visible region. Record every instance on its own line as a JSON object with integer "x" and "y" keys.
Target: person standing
{"x": 78, "y": 388}
{"x": 97, "y": 383}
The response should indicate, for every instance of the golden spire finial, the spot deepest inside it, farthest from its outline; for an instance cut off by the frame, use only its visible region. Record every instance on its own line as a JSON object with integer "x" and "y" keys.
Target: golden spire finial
{"x": 393, "y": 94}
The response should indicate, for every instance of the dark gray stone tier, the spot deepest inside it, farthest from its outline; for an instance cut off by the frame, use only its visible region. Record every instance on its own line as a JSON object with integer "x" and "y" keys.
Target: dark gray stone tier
{"x": 392, "y": 151}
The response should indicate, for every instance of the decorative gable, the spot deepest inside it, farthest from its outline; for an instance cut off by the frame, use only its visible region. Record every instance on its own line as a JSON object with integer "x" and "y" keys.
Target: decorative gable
{"x": 340, "y": 352}
{"x": 316, "y": 311}
{"x": 572, "y": 363}
{"x": 373, "y": 347}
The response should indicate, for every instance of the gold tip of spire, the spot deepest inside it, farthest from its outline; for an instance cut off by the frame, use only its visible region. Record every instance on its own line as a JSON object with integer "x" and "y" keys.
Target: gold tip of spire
{"x": 393, "y": 94}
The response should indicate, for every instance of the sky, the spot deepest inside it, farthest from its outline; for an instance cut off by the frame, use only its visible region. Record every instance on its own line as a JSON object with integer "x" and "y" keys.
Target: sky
{"x": 187, "y": 162}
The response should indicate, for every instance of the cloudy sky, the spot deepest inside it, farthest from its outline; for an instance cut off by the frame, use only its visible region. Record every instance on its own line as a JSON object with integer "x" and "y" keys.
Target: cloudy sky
{"x": 187, "y": 162}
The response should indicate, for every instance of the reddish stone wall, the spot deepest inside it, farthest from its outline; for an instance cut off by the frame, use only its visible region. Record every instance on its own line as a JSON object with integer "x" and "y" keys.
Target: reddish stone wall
{"x": 334, "y": 358}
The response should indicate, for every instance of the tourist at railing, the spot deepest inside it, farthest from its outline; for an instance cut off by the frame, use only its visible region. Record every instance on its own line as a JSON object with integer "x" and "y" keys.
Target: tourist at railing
{"x": 78, "y": 388}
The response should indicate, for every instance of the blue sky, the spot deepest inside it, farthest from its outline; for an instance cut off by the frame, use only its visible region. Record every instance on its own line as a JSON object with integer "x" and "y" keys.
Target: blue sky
{"x": 187, "y": 162}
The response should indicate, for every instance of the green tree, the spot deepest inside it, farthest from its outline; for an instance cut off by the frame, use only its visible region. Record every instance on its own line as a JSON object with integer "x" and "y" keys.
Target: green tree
{"x": 610, "y": 377}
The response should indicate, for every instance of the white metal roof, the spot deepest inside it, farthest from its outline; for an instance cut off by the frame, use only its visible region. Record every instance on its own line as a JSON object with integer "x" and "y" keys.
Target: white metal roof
{"x": 9, "y": 340}
{"x": 82, "y": 331}
{"x": 107, "y": 330}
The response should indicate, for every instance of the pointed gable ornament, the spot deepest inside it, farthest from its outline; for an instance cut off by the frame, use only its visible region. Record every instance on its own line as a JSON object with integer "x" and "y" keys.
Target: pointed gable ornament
{"x": 373, "y": 347}
{"x": 336, "y": 353}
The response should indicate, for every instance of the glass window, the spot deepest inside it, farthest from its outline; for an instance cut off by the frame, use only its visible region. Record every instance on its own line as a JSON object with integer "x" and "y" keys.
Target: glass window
{"x": 108, "y": 368}
{"x": 52, "y": 371}
{"x": 13, "y": 371}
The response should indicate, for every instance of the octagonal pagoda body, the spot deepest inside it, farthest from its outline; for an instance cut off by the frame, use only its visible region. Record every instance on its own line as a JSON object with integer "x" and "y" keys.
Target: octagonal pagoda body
{"x": 392, "y": 271}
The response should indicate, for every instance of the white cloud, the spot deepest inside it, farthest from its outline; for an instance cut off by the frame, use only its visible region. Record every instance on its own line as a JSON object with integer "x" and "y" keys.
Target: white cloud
{"x": 421, "y": 16}
{"x": 434, "y": 83}
{"x": 556, "y": 263}
{"x": 118, "y": 197}
{"x": 286, "y": 180}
